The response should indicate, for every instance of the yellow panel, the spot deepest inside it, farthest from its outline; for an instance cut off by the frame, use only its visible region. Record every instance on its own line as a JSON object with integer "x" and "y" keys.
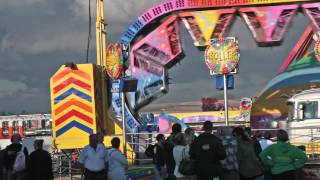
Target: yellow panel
{"x": 232, "y": 114}
{"x": 70, "y": 101}
{"x": 72, "y": 139}
{"x": 207, "y": 21}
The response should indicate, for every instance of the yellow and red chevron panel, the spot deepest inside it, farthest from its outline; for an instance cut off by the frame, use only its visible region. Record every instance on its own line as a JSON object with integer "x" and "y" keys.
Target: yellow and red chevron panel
{"x": 73, "y": 106}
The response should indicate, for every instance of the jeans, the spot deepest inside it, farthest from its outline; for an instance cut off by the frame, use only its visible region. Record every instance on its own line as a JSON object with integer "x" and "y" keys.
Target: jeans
{"x": 284, "y": 176}
{"x": 159, "y": 174}
{"x": 89, "y": 175}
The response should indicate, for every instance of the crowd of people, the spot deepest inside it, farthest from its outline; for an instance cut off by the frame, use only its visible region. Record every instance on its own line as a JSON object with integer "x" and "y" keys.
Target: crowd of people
{"x": 228, "y": 154}
{"x": 98, "y": 162}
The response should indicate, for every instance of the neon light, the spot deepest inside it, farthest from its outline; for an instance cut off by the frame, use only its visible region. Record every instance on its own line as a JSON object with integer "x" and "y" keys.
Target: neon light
{"x": 170, "y": 6}
{"x": 204, "y": 25}
{"x": 152, "y": 54}
{"x": 312, "y": 10}
{"x": 317, "y": 50}
{"x": 268, "y": 23}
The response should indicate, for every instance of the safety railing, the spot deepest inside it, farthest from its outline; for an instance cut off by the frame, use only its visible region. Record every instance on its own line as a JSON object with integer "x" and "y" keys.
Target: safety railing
{"x": 139, "y": 143}
{"x": 306, "y": 138}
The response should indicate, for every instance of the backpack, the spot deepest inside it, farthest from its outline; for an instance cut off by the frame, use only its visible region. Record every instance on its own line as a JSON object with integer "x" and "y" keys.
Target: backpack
{"x": 150, "y": 151}
{"x": 20, "y": 161}
{"x": 187, "y": 166}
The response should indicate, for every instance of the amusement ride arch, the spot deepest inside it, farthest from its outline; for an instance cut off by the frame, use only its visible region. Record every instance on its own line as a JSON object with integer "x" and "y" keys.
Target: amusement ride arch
{"x": 154, "y": 45}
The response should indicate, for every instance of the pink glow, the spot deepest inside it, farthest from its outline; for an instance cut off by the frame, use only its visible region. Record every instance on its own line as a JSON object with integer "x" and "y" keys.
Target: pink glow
{"x": 268, "y": 23}
{"x": 164, "y": 125}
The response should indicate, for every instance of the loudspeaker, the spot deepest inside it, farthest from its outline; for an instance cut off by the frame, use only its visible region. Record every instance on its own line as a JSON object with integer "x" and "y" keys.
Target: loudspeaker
{"x": 128, "y": 85}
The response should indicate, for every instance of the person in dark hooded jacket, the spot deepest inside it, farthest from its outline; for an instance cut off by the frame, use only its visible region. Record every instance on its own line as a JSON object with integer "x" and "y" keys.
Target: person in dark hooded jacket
{"x": 169, "y": 145}
{"x": 40, "y": 163}
{"x": 283, "y": 158}
{"x": 250, "y": 167}
{"x": 207, "y": 151}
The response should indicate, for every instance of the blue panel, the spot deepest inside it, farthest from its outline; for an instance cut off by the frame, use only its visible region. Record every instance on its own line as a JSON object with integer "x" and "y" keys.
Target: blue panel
{"x": 230, "y": 82}
{"x": 71, "y": 125}
{"x": 75, "y": 92}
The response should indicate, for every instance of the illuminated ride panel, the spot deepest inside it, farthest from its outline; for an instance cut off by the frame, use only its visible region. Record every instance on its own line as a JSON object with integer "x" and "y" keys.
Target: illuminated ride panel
{"x": 153, "y": 53}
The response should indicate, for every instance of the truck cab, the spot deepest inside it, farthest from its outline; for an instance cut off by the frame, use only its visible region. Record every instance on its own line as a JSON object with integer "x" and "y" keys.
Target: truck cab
{"x": 303, "y": 116}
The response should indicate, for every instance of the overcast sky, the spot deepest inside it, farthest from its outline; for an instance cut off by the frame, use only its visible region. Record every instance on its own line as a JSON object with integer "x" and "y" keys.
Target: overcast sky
{"x": 38, "y": 36}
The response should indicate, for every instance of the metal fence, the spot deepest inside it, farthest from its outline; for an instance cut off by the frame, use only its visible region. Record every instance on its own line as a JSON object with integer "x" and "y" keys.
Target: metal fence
{"x": 306, "y": 138}
{"x": 139, "y": 143}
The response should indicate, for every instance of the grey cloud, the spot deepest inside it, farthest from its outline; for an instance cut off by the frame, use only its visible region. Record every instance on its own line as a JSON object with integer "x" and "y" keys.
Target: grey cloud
{"x": 19, "y": 3}
{"x": 52, "y": 42}
{"x": 9, "y": 88}
{"x": 115, "y": 10}
{"x": 33, "y": 100}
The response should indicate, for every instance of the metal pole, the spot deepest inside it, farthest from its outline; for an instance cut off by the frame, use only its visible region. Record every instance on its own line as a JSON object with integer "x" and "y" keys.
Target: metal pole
{"x": 312, "y": 145}
{"x": 101, "y": 46}
{"x": 123, "y": 125}
{"x": 226, "y": 115}
{"x": 70, "y": 168}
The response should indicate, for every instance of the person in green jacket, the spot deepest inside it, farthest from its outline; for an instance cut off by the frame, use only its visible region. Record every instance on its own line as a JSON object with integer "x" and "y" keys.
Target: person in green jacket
{"x": 283, "y": 158}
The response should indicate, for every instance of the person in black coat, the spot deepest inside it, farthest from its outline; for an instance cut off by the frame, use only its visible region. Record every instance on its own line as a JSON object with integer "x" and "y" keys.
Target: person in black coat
{"x": 9, "y": 157}
{"x": 207, "y": 151}
{"x": 1, "y": 163}
{"x": 159, "y": 158}
{"x": 256, "y": 144}
{"x": 40, "y": 163}
{"x": 169, "y": 145}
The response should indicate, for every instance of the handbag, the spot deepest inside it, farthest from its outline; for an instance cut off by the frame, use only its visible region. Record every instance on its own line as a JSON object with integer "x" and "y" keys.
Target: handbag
{"x": 187, "y": 166}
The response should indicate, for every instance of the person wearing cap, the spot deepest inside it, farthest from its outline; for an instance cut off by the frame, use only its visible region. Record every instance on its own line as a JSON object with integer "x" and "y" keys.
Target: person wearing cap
{"x": 10, "y": 154}
{"x": 40, "y": 163}
{"x": 207, "y": 151}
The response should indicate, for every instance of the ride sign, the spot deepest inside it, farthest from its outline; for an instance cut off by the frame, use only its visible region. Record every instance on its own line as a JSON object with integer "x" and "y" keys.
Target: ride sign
{"x": 245, "y": 108}
{"x": 316, "y": 37}
{"x": 222, "y": 55}
{"x": 114, "y": 61}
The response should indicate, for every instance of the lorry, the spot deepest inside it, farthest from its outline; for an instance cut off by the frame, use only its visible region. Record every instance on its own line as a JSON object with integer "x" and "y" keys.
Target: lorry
{"x": 304, "y": 119}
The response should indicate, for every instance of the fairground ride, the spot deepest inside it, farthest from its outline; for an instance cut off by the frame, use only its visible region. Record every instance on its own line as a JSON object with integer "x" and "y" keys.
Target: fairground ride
{"x": 81, "y": 99}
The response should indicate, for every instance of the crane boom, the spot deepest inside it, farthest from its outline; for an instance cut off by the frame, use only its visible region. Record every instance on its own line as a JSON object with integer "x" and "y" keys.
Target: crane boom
{"x": 100, "y": 33}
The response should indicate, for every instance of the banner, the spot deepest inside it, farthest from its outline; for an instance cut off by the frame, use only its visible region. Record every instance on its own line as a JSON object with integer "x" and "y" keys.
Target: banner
{"x": 316, "y": 37}
{"x": 222, "y": 55}
{"x": 245, "y": 108}
{"x": 113, "y": 62}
